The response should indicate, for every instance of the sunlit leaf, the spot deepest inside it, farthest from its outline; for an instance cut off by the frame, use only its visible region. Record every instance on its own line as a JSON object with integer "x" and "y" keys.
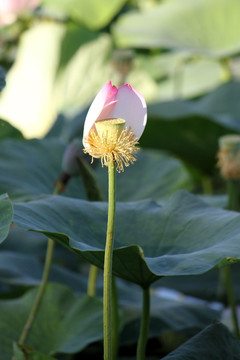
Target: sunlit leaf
{"x": 35, "y": 67}
{"x": 84, "y": 73}
{"x": 178, "y": 75}
{"x": 92, "y": 13}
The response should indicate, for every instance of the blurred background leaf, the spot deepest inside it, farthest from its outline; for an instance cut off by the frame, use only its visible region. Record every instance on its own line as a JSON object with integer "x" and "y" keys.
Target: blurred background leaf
{"x": 93, "y": 14}
{"x": 189, "y": 26}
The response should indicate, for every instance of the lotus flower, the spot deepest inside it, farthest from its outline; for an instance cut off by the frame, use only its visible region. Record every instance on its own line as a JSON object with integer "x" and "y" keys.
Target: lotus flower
{"x": 10, "y": 9}
{"x": 125, "y": 109}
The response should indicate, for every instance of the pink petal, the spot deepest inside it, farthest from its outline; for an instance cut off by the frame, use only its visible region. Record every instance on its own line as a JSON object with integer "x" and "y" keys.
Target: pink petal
{"x": 10, "y": 9}
{"x": 107, "y": 111}
{"x": 131, "y": 107}
{"x": 101, "y": 107}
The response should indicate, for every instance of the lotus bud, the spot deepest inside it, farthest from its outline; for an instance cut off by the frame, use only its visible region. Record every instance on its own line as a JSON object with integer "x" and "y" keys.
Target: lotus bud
{"x": 70, "y": 161}
{"x": 229, "y": 157}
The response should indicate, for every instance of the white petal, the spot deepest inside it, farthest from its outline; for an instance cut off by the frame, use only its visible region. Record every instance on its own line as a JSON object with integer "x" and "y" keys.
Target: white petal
{"x": 131, "y": 106}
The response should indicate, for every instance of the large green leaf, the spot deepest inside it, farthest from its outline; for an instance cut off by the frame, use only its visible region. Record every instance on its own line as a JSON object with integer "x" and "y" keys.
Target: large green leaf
{"x": 92, "y": 13}
{"x": 21, "y": 263}
{"x": 20, "y": 269}
{"x": 154, "y": 175}
{"x": 26, "y": 270}
{"x": 33, "y": 244}
{"x": 30, "y": 168}
{"x": 64, "y": 322}
{"x": 214, "y": 342}
{"x": 185, "y": 236}
{"x": 6, "y": 215}
{"x": 198, "y": 26}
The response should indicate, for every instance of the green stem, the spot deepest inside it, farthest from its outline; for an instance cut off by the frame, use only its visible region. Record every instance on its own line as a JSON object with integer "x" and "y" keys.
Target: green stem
{"x": 57, "y": 188}
{"x": 107, "y": 276}
{"x": 233, "y": 204}
{"x": 207, "y": 185}
{"x": 94, "y": 193}
{"x": 227, "y": 70}
{"x": 231, "y": 298}
{"x": 92, "y": 279}
{"x": 142, "y": 340}
{"x": 40, "y": 293}
{"x": 115, "y": 320}
{"x": 233, "y": 195}
{"x": 42, "y": 287}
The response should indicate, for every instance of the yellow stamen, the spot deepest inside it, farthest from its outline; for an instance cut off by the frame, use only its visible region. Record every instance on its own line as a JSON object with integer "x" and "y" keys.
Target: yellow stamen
{"x": 109, "y": 140}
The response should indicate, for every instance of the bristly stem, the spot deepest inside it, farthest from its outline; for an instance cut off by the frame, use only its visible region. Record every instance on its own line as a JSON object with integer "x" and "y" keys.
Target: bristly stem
{"x": 143, "y": 336}
{"x": 42, "y": 287}
{"x": 107, "y": 276}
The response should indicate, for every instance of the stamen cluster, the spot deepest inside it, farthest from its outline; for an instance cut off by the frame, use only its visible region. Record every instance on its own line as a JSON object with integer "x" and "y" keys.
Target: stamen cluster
{"x": 118, "y": 148}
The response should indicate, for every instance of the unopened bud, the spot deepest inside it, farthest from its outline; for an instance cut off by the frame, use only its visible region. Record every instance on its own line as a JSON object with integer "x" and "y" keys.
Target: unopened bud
{"x": 70, "y": 161}
{"x": 229, "y": 157}
{"x": 122, "y": 61}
